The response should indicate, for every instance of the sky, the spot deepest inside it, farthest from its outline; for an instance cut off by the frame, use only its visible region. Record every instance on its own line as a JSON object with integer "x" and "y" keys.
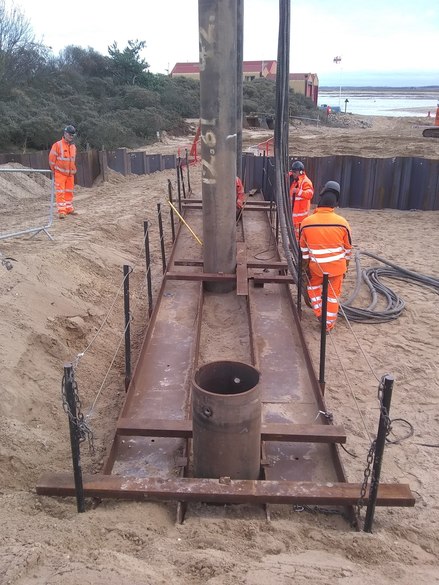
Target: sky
{"x": 380, "y": 42}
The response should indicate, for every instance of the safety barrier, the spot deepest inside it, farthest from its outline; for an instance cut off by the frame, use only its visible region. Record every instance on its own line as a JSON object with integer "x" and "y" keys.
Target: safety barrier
{"x": 262, "y": 148}
{"x": 26, "y": 202}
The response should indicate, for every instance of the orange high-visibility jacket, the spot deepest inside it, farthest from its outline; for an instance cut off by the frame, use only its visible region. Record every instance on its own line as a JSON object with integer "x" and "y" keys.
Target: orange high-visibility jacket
{"x": 240, "y": 195}
{"x": 62, "y": 157}
{"x": 301, "y": 200}
{"x": 325, "y": 241}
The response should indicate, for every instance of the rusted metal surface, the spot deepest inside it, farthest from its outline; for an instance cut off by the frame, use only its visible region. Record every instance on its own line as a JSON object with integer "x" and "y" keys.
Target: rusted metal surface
{"x": 226, "y": 418}
{"x": 160, "y": 386}
{"x": 241, "y": 270}
{"x": 224, "y": 490}
{"x": 250, "y": 264}
{"x": 200, "y": 276}
{"x": 290, "y": 391}
{"x": 149, "y": 456}
{"x": 269, "y": 431}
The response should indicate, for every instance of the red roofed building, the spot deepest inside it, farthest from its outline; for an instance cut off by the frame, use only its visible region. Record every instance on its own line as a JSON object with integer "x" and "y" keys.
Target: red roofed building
{"x": 253, "y": 69}
{"x": 305, "y": 83}
{"x": 186, "y": 70}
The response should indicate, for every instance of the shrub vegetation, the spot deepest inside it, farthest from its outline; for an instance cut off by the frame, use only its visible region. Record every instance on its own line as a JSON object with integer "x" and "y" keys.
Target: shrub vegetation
{"x": 113, "y": 100}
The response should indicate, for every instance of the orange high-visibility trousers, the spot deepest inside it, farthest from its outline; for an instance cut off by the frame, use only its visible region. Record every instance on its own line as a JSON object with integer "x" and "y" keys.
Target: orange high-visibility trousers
{"x": 64, "y": 193}
{"x": 296, "y": 224}
{"x": 314, "y": 289}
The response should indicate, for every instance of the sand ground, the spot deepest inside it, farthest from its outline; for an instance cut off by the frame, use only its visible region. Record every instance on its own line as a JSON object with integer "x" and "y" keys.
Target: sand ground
{"x": 62, "y": 298}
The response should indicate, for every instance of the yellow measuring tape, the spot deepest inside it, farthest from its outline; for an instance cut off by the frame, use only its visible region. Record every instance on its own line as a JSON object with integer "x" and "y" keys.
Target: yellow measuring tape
{"x": 185, "y": 223}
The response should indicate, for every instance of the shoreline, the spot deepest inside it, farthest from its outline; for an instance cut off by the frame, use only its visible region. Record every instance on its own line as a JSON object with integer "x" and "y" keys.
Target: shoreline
{"x": 375, "y": 88}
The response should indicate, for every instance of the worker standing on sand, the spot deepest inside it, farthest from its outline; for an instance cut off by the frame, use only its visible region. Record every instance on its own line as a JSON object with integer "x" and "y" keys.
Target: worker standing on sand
{"x": 325, "y": 243}
{"x": 62, "y": 159}
{"x": 301, "y": 193}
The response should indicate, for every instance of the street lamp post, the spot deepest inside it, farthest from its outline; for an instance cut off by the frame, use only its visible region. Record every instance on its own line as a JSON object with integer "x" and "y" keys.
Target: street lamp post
{"x": 337, "y": 60}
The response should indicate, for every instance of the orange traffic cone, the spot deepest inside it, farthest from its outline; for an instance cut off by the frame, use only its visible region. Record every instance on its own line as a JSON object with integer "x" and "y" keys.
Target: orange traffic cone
{"x": 436, "y": 120}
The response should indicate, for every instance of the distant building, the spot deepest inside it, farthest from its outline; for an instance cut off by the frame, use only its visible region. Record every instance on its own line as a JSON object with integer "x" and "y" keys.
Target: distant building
{"x": 305, "y": 83}
{"x": 191, "y": 70}
{"x": 254, "y": 69}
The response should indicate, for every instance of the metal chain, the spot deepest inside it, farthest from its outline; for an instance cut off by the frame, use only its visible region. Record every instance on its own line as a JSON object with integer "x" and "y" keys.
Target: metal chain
{"x": 371, "y": 454}
{"x": 84, "y": 431}
{"x": 383, "y": 409}
{"x": 367, "y": 472}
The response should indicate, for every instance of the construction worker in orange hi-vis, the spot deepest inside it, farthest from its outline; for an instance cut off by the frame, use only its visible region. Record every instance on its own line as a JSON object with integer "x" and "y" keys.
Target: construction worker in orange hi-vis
{"x": 240, "y": 197}
{"x": 301, "y": 193}
{"x": 62, "y": 158}
{"x": 326, "y": 244}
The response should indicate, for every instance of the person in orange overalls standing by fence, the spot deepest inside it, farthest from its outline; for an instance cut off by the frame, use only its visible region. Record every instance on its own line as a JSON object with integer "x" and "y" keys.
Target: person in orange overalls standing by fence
{"x": 62, "y": 159}
{"x": 301, "y": 193}
{"x": 240, "y": 198}
{"x": 326, "y": 244}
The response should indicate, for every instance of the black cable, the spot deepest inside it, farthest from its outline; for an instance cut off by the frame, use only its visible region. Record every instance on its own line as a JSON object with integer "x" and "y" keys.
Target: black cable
{"x": 371, "y": 277}
{"x": 410, "y": 433}
{"x": 282, "y": 192}
{"x": 348, "y": 452}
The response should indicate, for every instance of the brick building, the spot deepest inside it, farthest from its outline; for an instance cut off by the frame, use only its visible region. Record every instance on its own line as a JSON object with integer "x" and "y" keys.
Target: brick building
{"x": 305, "y": 83}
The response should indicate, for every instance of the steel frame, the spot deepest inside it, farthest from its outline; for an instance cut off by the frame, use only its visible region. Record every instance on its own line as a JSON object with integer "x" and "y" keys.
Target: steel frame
{"x": 150, "y": 453}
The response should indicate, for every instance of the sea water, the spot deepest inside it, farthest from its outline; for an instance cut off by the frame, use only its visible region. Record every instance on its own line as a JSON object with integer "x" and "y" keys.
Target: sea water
{"x": 382, "y": 102}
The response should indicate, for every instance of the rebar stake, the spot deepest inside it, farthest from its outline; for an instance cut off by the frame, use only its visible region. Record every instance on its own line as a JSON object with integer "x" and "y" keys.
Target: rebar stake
{"x": 323, "y": 332}
{"x": 148, "y": 266}
{"x": 383, "y": 428}
{"x": 126, "y": 304}
{"x": 74, "y": 435}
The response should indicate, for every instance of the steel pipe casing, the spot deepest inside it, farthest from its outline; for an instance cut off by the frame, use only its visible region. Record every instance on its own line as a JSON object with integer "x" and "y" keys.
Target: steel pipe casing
{"x": 226, "y": 413}
{"x": 218, "y": 86}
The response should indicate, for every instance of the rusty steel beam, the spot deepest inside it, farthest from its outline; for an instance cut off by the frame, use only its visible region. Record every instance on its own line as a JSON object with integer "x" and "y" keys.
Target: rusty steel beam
{"x": 200, "y": 276}
{"x": 248, "y": 206}
{"x": 269, "y": 431}
{"x": 260, "y": 203}
{"x": 213, "y": 277}
{"x": 241, "y": 270}
{"x": 250, "y": 263}
{"x": 276, "y": 278}
{"x": 223, "y": 490}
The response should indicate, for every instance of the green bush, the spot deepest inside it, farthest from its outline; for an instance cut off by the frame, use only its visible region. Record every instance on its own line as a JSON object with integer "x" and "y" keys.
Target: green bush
{"x": 113, "y": 100}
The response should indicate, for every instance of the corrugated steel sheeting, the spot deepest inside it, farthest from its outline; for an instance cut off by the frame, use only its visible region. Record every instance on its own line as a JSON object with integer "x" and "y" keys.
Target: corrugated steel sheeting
{"x": 86, "y": 162}
{"x": 366, "y": 183}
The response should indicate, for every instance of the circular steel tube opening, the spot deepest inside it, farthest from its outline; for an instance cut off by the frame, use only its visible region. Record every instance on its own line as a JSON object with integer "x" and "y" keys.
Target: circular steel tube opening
{"x": 226, "y": 377}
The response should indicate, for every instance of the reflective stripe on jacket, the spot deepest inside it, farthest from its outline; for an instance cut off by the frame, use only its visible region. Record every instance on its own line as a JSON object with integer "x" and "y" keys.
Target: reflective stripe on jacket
{"x": 62, "y": 157}
{"x": 325, "y": 240}
{"x": 301, "y": 199}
